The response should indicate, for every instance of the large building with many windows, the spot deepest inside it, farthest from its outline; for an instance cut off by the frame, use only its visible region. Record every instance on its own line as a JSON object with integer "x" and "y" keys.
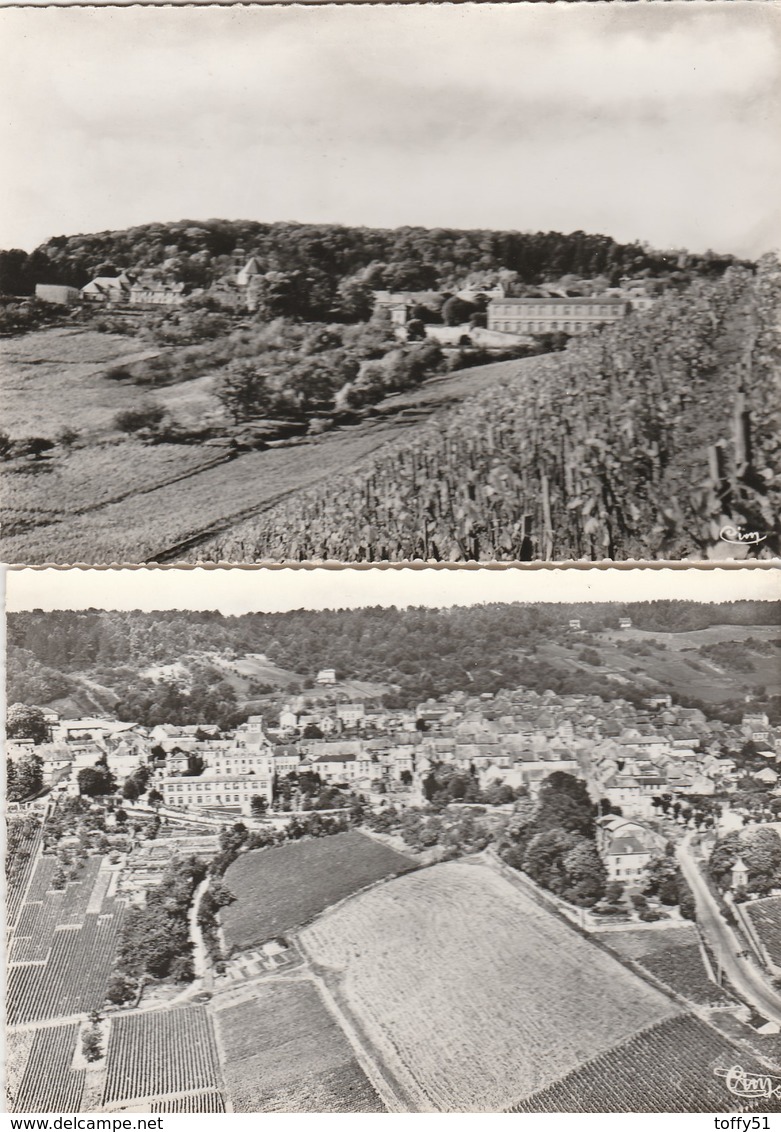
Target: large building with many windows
{"x": 205, "y": 790}
{"x": 545, "y": 315}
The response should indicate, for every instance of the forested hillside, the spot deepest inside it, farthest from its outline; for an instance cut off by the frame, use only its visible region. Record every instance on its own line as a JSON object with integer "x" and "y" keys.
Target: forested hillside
{"x": 316, "y": 259}
{"x": 643, "y": 441}
{"x": 422, "y": 651}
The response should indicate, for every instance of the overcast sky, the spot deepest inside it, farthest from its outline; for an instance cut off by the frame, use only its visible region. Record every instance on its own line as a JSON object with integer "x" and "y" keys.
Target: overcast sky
{"x": 236, "y": 590}
{"x": 657, "y": 122}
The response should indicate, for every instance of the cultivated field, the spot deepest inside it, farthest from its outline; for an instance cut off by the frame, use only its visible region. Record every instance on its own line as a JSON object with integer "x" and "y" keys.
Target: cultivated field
{"x": 765, "y": 915}
{"x": 47, "y": 975}
{"x": 154, "y": 1054}
{"x": 673, "y": 956}
{"x": 283, "y": 1052}
{"x": 471, "y": 994}
{"x": 671, "y": 1067}
{"x": 280, "y": 889}
{"x": 48, "y": 1084}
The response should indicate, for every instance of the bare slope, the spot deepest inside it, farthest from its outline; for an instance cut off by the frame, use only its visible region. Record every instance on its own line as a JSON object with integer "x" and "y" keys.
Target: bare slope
{"x": 470, "y": 993}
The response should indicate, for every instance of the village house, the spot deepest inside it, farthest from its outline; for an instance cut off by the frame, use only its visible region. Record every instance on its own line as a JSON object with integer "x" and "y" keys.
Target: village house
{"x": 326, "y": 676}
{"x": 155, "y": 293}
{"x": 108, "y": 289}
{"x": 350, "y": 715}
{"x": 626, "y": 848}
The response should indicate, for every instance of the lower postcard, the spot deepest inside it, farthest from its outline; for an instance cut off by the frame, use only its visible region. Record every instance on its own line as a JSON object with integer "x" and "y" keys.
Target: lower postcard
{"x": 393, "y": 840}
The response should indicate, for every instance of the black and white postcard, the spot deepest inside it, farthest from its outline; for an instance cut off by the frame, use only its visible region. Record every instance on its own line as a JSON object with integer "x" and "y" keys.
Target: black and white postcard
{"x": 401, "y": 841}
{"x": 445, "y": 282}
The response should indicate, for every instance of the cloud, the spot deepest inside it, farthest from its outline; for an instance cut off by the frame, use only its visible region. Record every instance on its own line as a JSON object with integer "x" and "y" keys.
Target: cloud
{"x": 648, "y": 123}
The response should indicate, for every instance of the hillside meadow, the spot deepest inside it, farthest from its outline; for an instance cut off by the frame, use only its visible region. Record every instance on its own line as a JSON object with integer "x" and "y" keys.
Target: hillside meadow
{"x": 534, "y": 999}
{"x": 112, "y": 498}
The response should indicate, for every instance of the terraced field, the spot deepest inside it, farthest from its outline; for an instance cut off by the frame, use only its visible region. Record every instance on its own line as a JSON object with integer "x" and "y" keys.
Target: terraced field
{"x": 470, "y": 994}
{"x": 49, "y": 975}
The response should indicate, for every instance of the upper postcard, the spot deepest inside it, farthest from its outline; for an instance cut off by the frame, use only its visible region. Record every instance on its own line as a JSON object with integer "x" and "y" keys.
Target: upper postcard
{"x": 389, "y": 283}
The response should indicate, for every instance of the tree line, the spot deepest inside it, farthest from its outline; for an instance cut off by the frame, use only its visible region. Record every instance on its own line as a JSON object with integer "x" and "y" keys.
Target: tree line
{"x": 316, "y": 267}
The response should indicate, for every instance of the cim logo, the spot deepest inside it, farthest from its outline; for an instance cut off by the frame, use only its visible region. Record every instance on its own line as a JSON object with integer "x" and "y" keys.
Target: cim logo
{"x": 741, "y": 536}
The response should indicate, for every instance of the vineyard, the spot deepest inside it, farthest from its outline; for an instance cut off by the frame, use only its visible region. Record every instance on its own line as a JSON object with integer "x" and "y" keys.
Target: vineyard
{"x": 279, "y": 889}
{"x": 206, "y": 1101}
{"x": 470, "y": 993}
{"x": 61, "y": 955}
{"x": 639, "y": 442}
{"x": 671, "y": 1067}
{"x": 48, "y": 1083}
{"x": 285, "y": 1053}
{"x": 765, "y": 916}
{"x": 673, "y": 957}
{"x": 22, "y": 849}
{"x": 159, "y": 1052}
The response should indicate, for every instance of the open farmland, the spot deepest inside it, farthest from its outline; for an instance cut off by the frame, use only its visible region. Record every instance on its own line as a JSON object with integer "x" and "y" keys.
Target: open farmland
{"x": 283, "y": 1052}
{"x": 470, "y": 993}
{"x": 673, "y": 956}
{"x": 280, "y": 889}
{"x": 671, "y": 1067}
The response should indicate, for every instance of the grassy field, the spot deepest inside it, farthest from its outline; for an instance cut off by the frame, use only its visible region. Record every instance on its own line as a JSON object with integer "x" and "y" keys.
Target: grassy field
{"x": 673, "y": 956}
{"x": 471, "y": 994}
{"x": 52, "y": 379}
{"x": 111, "y": 500}
{"x": 672, "y": 660}
{"x": 283, "y": 1052}
{"x": 279, "y": 889}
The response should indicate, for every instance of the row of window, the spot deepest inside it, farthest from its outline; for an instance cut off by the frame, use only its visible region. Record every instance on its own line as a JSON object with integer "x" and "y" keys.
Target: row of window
{"x": 537, "y": 309}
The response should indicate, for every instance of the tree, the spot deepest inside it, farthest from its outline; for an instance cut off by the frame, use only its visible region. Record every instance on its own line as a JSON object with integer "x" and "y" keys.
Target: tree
{"x": 155, "y": 798}
{"x": 130, "y": 790}
{"x": 94, "y": 781}
{"x": 23, "y": 722}
{"x": 244, "y": 392}
{"x": 586, "y": 874}
{"x": 120, "y": 990}
{"x": 91, "y": 1045}
{"x": 258, "y": 805}
{"x": 24, "y": 777}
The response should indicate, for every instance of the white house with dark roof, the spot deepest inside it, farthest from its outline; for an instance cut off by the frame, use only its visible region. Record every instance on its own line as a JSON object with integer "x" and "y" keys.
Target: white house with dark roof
{"x": 627, "y": 847}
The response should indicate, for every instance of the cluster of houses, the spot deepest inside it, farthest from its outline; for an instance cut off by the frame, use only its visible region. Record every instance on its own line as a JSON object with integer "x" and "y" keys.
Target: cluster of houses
{"x": 509, "y": 317}
{"x": 239, "y": 286}
{"x": 631, "y": 756}
{"x": 552, "y": 309}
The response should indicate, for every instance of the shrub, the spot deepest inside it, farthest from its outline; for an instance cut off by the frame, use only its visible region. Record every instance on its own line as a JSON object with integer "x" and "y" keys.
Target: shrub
{"x": 148, "y": 415}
